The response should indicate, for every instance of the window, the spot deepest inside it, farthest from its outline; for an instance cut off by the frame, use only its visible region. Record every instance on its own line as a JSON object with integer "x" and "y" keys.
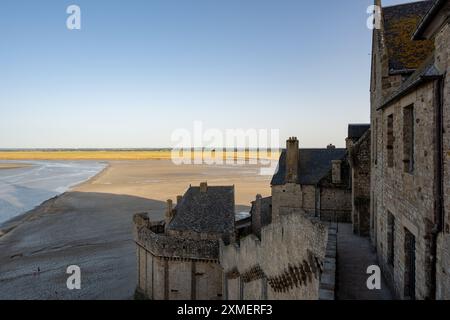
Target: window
{"x": 390, "y": 238}
{"x": 390, "y": 141}
{"x": 408, "y": 139}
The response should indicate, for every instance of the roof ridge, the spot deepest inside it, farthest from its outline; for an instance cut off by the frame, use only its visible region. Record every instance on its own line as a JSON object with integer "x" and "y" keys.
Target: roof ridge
{"x": 405, "y": 4}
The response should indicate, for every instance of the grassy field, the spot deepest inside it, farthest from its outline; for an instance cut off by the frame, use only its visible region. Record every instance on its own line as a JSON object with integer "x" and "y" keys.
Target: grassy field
{"x": 126, "y": 155}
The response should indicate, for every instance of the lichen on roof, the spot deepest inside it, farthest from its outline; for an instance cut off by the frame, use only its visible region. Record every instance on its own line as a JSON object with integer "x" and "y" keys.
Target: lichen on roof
{"x": 400, "y": 23}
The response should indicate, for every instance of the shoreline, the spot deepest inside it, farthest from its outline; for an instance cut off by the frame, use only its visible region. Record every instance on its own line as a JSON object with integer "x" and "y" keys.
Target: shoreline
{"x": 134, "y": 155}
{"x": 9, "y": 225}
{"x": 91, "y": 226}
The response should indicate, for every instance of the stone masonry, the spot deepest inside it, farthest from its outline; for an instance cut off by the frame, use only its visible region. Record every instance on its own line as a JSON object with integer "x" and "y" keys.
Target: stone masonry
{"x": 179, "y": 258}
{"x": 286, "y": 263}
{"x": 359, "y": 159}
{"x": 409, "y": 101}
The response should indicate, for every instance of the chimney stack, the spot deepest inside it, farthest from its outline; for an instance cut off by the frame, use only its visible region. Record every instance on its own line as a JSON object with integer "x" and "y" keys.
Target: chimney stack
{"x": 203, "y": 187}
{"x": 292, "y": 157}
{"x": 179, "y": 198}
{"x": 256, "y": 217}
{"x": 169, "y": 212}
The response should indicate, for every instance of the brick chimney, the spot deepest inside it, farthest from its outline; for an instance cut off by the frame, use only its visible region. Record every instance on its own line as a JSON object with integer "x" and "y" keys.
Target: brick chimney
{"x": 292, "y": 156}
{"x": 179, "y": 198}
{"x": 169, "y": 212}
{"x": 256, "y": 217}
{"x": 203, "y": 187}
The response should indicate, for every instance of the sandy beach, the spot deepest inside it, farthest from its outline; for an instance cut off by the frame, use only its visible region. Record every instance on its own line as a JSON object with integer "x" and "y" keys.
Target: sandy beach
{"x": 91, "y": 226}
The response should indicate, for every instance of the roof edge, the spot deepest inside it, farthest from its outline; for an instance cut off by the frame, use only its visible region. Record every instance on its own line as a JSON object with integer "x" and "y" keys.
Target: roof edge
{"x": 426, "y": 20}
{"x": 407, "y": 90}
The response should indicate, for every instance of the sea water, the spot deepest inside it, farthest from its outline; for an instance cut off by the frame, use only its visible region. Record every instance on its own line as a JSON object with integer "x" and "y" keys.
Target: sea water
{"x": 22, "y": 189}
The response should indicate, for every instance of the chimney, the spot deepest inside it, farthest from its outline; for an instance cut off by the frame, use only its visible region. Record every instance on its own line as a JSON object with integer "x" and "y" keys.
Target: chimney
{"x": 292, "y": 156}
{"x": 179, "y": 198}
{"x": 336, "y": 173}
{"x": 331, "y": 146}
{"x": 256, "y": 217}
{"x": 169, "y": 212}
{"x": 203, "y": 187}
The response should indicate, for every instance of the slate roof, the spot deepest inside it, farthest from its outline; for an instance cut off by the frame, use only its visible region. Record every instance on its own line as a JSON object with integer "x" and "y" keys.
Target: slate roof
{"x": 266, "y": 211}
{"x": 313, "y": 165}
{"x": 356, "y": 131}
{"x": 400, "y": 23}
{"x": 205, "y": 212}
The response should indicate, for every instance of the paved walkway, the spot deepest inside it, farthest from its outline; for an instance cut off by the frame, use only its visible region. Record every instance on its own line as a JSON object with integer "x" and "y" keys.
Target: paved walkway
{"x": 354, "y": 255}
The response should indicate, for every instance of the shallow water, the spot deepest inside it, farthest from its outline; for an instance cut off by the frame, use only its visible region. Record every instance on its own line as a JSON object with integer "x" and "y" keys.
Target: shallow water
{"x": 23, "y": 189}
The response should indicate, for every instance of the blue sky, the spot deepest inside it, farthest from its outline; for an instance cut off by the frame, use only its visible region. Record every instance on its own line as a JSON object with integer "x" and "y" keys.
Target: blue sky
{"x": 139, "y": 69}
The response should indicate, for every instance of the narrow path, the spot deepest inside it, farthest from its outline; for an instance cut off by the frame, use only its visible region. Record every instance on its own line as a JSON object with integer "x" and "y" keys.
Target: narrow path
{"x": 354, "y": 256}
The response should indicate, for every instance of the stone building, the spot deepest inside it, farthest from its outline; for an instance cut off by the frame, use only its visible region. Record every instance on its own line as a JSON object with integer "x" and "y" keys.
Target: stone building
{"x": 316, "y": 181}
{"x": 410, "y": 142}
{"x": 287, "y": 248}
{"x": 179, "y": 258}
{"x": 358, "y": 146}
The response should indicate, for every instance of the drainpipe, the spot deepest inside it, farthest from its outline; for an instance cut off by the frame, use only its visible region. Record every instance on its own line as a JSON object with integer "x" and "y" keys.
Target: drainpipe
{"x": 439, "y": 175}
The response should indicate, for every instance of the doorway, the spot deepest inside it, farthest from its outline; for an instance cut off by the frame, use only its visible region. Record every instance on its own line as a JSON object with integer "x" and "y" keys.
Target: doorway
{"x": 410, "y": 265}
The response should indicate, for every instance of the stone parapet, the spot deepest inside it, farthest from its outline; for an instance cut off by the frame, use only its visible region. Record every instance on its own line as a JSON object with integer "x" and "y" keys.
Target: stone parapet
{"x": 148, "y": 235}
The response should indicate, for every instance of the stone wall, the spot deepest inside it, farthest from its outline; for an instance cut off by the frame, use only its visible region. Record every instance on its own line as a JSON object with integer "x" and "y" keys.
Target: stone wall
{"x": 161, "y": 244}
{"x": 382, "y": 86}
{"x": 172, "y": 268}
{"x": 443, "y": 63}
{"x": 360, "y": 162}
{"x": 309, "y": 199}
{"x": 288, "y": 196}
{"x": 328, "y": 201}
{"x": 408, "y": 197}
{"x": 164, "y": 278}
{"x": 285, "y": 264}
{"x": 335, "y": 204}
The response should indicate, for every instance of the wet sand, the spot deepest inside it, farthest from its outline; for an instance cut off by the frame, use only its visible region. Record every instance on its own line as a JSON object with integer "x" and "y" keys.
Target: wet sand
{"x": 91, "y": 226}
{"x": 6, "y": 166}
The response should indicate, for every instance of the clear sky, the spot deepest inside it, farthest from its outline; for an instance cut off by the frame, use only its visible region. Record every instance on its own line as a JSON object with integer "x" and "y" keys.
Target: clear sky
{"x": 139, "y": 69}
